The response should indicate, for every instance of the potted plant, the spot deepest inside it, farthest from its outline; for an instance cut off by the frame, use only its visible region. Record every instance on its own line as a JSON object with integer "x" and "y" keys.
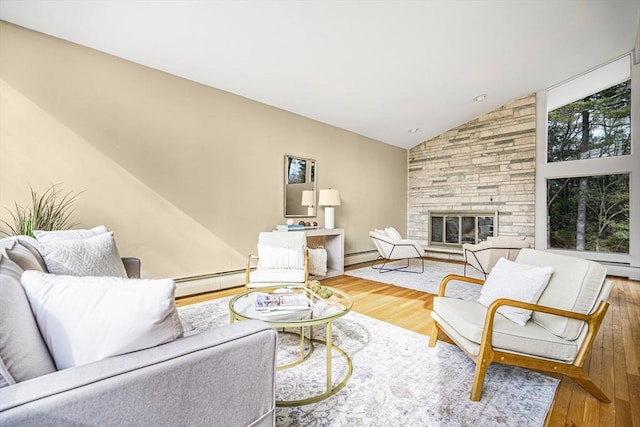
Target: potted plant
{"x": 51, "y": 210}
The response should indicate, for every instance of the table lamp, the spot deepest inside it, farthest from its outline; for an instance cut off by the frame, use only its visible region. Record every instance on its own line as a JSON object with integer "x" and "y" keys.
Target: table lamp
{"x": 329, "y": 198}
{"x": 309, "y": 200}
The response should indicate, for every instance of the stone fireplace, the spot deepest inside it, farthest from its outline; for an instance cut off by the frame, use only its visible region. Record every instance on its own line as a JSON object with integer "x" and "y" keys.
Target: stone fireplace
{"x": 459, "y": 181}
{"x": 452, "y": 229}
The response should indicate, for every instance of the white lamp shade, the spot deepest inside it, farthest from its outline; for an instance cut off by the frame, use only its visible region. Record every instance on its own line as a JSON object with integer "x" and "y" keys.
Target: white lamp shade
{"x": 329, "y": 197}
{"x": 308, "y": 198}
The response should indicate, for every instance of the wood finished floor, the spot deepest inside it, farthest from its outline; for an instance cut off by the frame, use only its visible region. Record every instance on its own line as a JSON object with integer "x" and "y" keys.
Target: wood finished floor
{"x": 614, "y": 362}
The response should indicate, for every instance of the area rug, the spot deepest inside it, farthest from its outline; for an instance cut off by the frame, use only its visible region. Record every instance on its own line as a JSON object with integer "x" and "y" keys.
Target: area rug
{"x": 429, "y": 281}
{"x": 397, "y": 379}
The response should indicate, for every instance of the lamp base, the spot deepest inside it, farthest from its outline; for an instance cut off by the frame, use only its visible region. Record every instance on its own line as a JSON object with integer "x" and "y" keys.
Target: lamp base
{"x": 329, "y": 217}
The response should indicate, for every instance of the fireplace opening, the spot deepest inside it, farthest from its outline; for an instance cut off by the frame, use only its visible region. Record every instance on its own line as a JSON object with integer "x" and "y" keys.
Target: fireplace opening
{"x": 455, "y": 228}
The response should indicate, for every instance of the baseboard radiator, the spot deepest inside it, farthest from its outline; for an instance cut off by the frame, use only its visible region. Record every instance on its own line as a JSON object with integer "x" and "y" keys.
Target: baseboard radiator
{"x": 193, "y": 285}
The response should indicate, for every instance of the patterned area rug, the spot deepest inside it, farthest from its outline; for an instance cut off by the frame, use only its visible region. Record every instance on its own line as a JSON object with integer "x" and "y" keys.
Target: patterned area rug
{"x": 429, "y": 281}
{"x": 397, "y": 379}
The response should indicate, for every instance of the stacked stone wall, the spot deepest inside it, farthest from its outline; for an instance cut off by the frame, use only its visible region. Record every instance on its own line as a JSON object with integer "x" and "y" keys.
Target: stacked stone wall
{"x": 487, "y": 164}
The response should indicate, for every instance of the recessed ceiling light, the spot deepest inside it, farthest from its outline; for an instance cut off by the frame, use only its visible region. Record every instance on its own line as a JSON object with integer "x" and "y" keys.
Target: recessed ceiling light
{"x": 414, "y": 130}
{"x": 480, "y": 98}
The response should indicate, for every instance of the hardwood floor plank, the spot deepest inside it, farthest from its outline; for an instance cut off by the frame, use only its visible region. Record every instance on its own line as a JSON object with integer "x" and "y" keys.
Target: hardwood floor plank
{"x": 634, "y": 398}
{"x": 623, "y": 413}
{"x": 621, "y": 389}
{"x": 613, "y": 363}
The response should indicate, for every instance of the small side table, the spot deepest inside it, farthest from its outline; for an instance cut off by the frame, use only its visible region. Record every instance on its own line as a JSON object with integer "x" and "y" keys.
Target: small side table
{"x": 242, "y": 307}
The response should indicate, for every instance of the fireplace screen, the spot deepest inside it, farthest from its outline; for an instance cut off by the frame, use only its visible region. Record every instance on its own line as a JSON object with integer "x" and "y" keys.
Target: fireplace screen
{"x": 456, "y": 228}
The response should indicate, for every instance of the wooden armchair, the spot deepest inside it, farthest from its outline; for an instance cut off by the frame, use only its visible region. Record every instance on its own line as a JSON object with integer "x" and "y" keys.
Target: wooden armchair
{"x": 559, "y": 336}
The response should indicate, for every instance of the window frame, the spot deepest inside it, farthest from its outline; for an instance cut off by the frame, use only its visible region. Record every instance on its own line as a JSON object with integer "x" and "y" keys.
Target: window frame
{"x": 590, "y": 167}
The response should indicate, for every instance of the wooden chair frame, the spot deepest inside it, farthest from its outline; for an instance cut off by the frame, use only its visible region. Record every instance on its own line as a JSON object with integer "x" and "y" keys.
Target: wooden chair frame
{"x": 488, "y": 354}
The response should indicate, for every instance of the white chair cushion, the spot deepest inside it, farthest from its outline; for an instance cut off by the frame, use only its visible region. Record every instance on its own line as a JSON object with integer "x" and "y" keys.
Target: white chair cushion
{"x": 393, "y": 233}
{"x": 57, "y": 235}
{"x": 85, "y": 319}
{"x": 575, "y": 286}
{"x": 276, "y": 257}
{"x": 520, "y": 282}
{"x": 379, "y": 231}
{"x": 276, "y": 276}
{"x": 94, "y": 256}
{"x": 466, "y": 319}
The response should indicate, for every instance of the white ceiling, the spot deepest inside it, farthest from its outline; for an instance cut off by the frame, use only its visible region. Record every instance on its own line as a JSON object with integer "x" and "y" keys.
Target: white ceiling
{"x": 377, "y": 68}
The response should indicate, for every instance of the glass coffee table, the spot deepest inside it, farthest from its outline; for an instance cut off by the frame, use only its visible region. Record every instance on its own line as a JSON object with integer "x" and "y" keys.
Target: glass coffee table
{"x": 321, "y": 312}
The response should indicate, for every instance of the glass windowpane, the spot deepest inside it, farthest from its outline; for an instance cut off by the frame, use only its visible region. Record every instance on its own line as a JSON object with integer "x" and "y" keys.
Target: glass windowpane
{"x": 596, "y": 126}
{"x": 589, "y": 213}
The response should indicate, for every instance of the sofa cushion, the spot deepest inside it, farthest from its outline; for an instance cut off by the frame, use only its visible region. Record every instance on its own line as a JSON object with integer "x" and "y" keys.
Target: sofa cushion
{"x": 57, "y": 235}
{"x": 520, "y": 282}
{"x": 466, "y": 318}
{"x": 94, "y": 256}
{"x": 24, "y": 256}
{"x": 23, "y": 353}
{"x": 85, "y": 319}
{"x": 575, "y": 286}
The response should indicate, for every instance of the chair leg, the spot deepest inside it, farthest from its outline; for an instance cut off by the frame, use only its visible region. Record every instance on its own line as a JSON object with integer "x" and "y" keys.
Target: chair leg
{"x": 478, "y": 379}
{"x": 589, "y": 386}
{"x": 434, "y": 335}
{"x": 483, "y": 360}
{"x": 405, "y": 268}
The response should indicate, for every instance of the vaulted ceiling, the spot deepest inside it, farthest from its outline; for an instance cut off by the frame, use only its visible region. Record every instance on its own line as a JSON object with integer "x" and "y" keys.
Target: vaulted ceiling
{"x": 377, "y": 68}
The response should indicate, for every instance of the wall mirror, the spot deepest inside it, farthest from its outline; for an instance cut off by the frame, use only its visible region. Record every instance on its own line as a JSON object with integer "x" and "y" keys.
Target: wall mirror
{"x": 300, "y": 193}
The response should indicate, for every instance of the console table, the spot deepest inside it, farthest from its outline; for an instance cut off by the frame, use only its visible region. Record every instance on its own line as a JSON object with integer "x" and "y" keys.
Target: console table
{"x": 334, "y": 244}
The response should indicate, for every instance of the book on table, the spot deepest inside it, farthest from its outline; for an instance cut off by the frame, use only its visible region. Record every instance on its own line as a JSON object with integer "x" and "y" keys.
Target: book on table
{"x": 276, "y": 302}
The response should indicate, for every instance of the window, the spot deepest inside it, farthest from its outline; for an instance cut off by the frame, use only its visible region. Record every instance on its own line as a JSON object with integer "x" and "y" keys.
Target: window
{"x": 590, "y": 212}
{"x": 588, "y": 163}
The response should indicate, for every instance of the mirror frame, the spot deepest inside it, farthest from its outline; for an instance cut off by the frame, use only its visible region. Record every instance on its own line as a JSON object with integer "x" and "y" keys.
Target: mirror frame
{"x": 293, "y": 190}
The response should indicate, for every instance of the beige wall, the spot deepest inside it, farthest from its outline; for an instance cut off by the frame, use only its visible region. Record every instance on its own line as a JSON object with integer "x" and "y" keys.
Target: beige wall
{"x": 185, "y": 175}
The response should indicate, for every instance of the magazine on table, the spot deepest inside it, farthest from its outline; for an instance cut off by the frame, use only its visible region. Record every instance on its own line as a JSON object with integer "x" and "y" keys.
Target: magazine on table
{"x": 271, "y": 302}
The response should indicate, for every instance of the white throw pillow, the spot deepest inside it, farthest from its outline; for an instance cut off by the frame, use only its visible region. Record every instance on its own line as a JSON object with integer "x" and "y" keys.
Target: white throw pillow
{"x": 85, "y": 319}
{"x": 393, "y": 233}
{"x": 277, "y": 257}
{"x": 318, "y": 261}
{"x": 95, "y": 256}
{"x": 50, "y": 236}
{"x": 520, "y": 282}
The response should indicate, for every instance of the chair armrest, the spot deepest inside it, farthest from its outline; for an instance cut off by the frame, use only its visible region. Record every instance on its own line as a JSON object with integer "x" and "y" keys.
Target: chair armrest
{"x": 227, "y": 373}
{"x": 448, "y": 278}
{"x": 132, "y": 266}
